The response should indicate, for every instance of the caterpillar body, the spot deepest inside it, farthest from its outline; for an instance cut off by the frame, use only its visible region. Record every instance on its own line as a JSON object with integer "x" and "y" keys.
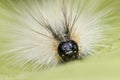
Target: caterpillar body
{"x": 48, "y": 32}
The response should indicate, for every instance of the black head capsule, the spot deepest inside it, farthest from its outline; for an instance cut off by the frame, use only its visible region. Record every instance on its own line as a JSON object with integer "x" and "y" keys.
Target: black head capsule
{"x": 68, "y": 50}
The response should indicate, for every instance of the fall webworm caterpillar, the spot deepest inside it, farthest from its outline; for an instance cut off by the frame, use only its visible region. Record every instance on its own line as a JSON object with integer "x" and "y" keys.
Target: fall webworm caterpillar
{"x": 48, "y": 32}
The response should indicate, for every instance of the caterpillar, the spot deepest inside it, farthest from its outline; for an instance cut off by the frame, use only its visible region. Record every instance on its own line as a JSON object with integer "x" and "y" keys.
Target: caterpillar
{"x": 45, "y": 33}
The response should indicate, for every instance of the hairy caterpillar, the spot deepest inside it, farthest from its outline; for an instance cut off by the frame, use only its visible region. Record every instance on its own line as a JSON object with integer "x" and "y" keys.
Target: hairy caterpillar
{"x": 45, "y": 33}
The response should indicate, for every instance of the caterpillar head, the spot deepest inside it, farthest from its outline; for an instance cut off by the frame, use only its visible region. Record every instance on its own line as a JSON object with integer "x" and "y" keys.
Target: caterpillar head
{"x": 68, "y": 50}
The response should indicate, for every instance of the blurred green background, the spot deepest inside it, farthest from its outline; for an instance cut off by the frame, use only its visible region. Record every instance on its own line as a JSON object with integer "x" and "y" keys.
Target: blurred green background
{"x": 104, "y": 65}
